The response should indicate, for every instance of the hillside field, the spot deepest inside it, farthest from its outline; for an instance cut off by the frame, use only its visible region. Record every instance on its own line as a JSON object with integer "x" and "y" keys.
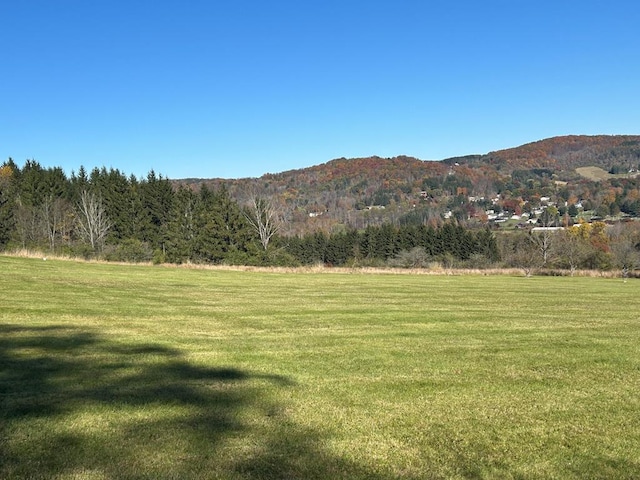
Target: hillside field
{"x": 114, "y": 371}
{"x": 594, "y": 174}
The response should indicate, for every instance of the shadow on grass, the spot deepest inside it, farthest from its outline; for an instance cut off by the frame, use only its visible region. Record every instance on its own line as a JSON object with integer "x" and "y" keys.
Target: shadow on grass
{"x": 76, "y": 405}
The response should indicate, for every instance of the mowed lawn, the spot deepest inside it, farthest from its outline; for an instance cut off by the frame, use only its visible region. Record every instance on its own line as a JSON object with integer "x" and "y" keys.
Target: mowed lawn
{"x": 141, "y": 372}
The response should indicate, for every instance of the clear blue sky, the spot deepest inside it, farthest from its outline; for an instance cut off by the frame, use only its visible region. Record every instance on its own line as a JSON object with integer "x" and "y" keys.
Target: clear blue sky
{"x": 208, "y": 88}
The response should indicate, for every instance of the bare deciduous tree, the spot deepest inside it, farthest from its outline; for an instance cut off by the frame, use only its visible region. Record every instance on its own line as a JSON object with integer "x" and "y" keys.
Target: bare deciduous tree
{"x": 545, "y": 236}
{"x": 519, "y": 251}
{"x": 93, "y": 224}
{"x": 264, "y": 217}
{"x": 625, "y": 248}
{"x": 54, "y": 212}
{"x": 544, "y": 241}
{"x": 572, "y": 248}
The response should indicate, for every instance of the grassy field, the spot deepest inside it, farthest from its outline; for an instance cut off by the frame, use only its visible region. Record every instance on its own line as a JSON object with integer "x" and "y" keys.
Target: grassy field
{"x": 593, "y": 173}
{"x": 140, "y": 372}
{"x": 596, "y": 174}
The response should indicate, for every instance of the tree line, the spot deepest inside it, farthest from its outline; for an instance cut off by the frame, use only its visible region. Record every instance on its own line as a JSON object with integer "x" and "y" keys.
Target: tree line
{"x": 583, "y": 246}
{"x": 107, "y": 214}
{"x": 402, "y": 246}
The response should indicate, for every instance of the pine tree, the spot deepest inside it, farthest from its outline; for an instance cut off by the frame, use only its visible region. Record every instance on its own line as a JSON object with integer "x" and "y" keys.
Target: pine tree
{"x": 221, "y": 230}
{"x": 8, "y": 190}
{"x": 486, "y": 245}
{"x": 181, "y": 231}
{"x": 156, "y": 196}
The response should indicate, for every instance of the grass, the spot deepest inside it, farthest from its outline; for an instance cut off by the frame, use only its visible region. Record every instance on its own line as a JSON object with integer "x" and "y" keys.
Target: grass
{"x": 596, "y": 174}
{"x": 593, "y": 173}
{"x": 136, "y": 372}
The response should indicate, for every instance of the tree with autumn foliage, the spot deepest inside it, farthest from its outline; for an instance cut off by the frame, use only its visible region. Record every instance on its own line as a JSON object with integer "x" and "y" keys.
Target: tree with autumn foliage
{"x": 573, "y": 248}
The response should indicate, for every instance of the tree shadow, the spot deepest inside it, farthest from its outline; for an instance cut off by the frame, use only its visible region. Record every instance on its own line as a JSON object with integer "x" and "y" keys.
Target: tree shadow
{"x": 74, "y": 404}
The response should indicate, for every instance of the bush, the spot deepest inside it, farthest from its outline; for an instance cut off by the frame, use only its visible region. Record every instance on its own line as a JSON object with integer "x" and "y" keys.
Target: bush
{"x": 280, "y": 258}
{"x": 84, "y": 251}
{"x": 417, "y": 257}
{"x": 237, "y": 257}
{"x": 159, "y": 257}
{"x": 130, "y": 250}
{"x": 479, "y": 261}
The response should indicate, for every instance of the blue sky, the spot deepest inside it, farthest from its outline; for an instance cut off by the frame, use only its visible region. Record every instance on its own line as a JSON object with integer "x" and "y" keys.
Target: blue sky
{"x": 242, "y": 88}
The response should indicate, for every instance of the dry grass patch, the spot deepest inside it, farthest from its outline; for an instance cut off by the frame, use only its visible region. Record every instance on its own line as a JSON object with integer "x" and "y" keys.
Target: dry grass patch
{"x": 593, "y": 173}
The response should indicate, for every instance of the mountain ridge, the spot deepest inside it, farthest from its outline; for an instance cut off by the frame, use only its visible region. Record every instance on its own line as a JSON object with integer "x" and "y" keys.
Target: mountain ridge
{"x": 536, "y": 154}
{"x": 344, "y": 192}
{"x": 572, "y": 151}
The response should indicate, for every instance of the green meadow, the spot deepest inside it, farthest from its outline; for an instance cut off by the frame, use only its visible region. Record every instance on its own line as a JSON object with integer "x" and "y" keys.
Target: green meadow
{"x": 149, "y": 372}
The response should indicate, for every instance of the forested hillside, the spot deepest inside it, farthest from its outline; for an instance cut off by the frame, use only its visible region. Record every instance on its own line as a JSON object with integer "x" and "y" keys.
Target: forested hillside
{"x": 565, "y": 154}
{"x": 368, "y": 211}
{"x": 361, "y": 192}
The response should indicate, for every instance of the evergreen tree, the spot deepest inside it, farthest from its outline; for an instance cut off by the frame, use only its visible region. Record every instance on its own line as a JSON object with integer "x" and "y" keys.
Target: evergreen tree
{"x": 309, "y": 249}
{"x": 136, "y": 212}
{"x": 221, "y": 230}
{"x": 207, "y": 243}
{"x": 182, "y": 227}
{"x": 446, "y": 239}
{"x": 31, "y": 192}
{"x": 8, "y": 191}
{"x": 32, "y": 187}
{"x": 340, "y": 248}
{"x": 78, "y": 183}
{"x": 486, "y": 245}
{"x": 296, "y": 247}
{"x": 407, "y": 237}
{"x": 156, "y": 196}
{"x": 115, "y": 192}
{"x": 318, "y": 241}
{"x": 368, "y": 242}
{"x": 429, "y": 240}
{"x": 387, "y": 242}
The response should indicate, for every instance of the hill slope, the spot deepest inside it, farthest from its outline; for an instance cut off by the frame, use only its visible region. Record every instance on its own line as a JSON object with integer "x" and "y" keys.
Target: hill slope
{"x": 363, "y": 191}
{"x": 570, "y": 152}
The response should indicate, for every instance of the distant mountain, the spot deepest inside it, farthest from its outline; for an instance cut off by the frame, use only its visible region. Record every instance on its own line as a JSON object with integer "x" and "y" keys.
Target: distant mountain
{"x": 363, "y": 191}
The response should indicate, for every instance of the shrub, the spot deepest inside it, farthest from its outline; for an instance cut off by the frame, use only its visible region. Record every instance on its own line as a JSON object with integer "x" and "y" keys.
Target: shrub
{"x": 130, "y": 250}
{"x": 417, "y": 257}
